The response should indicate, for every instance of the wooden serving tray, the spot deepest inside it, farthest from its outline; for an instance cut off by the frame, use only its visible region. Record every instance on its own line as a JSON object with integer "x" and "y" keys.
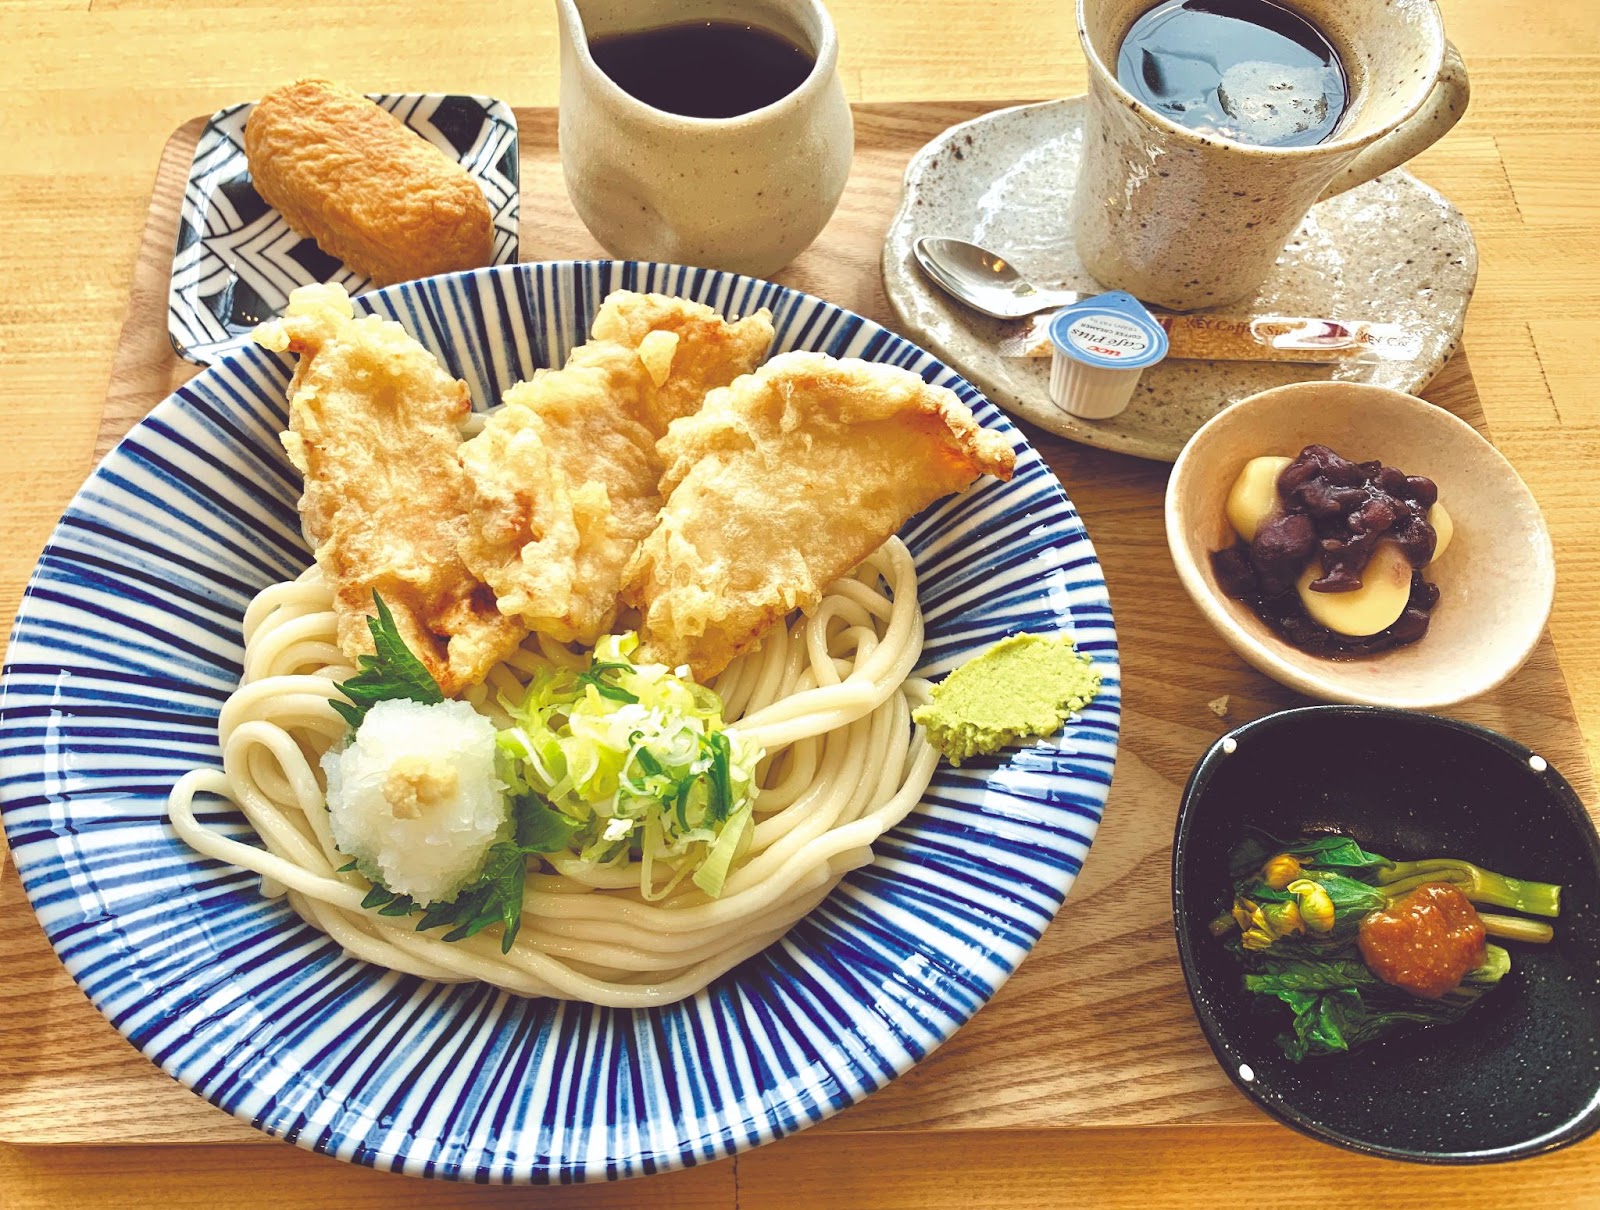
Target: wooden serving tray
{"x": 1095, "y": 1028}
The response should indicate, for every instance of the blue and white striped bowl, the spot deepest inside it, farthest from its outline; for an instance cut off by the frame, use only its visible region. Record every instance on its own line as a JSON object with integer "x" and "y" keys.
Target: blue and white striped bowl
{"x": 128, "y": 643}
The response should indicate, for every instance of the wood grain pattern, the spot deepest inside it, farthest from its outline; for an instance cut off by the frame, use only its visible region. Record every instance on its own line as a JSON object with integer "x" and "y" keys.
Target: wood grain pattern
{"x": 1096, "y": 1027}
{"x": 1109, "y": 1169}
{"x": 1134, "y": 1170}
{"x": 133, "y": 1178}
{"x": 91, "y": 92}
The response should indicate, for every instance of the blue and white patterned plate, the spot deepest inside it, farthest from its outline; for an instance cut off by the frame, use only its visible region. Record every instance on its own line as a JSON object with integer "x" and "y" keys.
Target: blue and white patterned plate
{"x": 236, "y": 258}
{"x": 128, "y": 642}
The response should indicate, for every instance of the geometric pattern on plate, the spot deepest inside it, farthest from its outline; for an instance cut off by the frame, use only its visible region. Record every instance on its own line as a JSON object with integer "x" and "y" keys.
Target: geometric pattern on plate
{"x": 236, "y": 258}
{"x": 128, "y": 643}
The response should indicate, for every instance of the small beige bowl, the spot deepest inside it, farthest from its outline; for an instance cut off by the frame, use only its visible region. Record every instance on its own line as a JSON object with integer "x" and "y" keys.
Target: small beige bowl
{"x": 1496, "y": 580}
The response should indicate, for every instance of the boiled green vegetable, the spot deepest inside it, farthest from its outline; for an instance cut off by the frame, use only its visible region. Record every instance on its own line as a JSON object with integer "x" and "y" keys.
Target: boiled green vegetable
{"x": 1295, "y": 921}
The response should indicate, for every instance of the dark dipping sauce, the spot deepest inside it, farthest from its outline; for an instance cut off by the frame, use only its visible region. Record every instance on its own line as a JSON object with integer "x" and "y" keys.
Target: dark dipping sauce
{"x": 1424, "y": 942}
{"x": 1338, "y": 511}
{"x": 703, "y": 69}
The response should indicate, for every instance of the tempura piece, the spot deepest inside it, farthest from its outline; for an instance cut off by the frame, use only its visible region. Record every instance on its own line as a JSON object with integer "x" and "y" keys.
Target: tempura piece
{"x": 564, "y": 476}
{"x": 686, "y": 349}
{"x": 374, "y": 425}
{"x": 782, "y": 483}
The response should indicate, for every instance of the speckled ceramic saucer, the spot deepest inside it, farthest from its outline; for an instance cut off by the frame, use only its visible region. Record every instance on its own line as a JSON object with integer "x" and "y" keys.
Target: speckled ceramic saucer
{"x": 1392, "y": 250}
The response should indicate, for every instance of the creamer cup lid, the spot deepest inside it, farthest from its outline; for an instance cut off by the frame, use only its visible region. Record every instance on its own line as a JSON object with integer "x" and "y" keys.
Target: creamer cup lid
{"x": 1113, "y": 331}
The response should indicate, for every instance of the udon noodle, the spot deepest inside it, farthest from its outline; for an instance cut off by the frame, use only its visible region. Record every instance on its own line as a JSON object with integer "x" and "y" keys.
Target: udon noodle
{"x": 829, "y": 698}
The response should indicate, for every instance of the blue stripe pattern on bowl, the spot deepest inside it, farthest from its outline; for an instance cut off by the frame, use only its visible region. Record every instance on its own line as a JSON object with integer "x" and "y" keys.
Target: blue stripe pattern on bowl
{"x": 128, "y": 643}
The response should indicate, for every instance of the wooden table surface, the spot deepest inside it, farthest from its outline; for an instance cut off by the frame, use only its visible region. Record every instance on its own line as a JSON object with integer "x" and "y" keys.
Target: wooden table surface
{"x": 90, "y": 90}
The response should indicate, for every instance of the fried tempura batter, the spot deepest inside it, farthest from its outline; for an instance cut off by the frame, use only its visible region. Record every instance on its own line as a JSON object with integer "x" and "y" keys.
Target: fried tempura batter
{"x": 564, "y": 476}
{"x": 374, "y": 424}
{"x": 370, "y": 191}
{"x": 783, "y": 482}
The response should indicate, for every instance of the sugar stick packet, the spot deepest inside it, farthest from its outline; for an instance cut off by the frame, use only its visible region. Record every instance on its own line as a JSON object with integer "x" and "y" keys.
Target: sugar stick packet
{"x": 1283, "y": 338}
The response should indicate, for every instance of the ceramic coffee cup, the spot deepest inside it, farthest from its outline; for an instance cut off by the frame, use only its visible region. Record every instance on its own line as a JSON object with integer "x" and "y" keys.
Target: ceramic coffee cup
{"x": 746, "y": 193}
{"x": 1187, "y": 220}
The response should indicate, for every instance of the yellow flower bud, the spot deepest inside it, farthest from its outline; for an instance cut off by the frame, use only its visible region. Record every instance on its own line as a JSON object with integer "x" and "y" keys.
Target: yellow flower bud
{"x": 1253, "y": 940}
{"x": 1241, "y": 913}
{"x": 1316, "y": 909}
{"x": 1280, "y": 871}
{"x": 1283, "y": 918}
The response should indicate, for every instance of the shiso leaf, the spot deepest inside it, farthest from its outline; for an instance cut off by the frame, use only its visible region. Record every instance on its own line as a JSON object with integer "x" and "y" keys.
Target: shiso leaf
{"x": 495, "y": 895}
{"x": 540, "y": 827}
{"x": 377, "y": 896}
{"x": 495, "y": 898}
{"x": 389, "y": 674}
{"x": 400, "y": 905}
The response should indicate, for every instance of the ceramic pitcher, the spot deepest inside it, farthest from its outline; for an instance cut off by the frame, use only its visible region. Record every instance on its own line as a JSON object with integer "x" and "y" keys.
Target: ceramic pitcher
{"x": 746, "y": 193}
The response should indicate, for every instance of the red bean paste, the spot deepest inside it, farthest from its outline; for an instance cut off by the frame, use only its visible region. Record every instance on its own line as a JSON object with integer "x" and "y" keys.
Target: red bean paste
{"x": 1424, "y": 942}
{"x": 1338, "y": 511}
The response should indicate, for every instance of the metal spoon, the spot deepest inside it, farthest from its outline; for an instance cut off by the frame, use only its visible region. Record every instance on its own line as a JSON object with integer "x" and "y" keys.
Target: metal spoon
{"x": 984, "y": 280}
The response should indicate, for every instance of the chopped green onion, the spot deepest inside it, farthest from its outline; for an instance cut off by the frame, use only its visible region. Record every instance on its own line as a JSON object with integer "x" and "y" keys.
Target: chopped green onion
{"x": 637, "y": 763}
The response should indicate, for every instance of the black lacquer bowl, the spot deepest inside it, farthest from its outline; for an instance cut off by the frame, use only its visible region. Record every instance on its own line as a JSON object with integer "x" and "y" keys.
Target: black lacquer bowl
{"x": 1520, "y": 1075}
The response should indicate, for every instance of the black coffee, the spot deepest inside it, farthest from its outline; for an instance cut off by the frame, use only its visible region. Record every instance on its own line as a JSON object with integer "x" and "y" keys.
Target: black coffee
{"x": 1247, "y": 70}
{"x": 704, "y": 69}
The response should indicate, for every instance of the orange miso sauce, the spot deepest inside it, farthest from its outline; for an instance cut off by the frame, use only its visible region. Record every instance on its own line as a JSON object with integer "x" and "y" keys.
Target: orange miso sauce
{"x": 1425, "y": 941}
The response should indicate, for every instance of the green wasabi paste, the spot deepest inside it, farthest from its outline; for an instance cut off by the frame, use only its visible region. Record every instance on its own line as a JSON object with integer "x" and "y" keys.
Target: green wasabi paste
{"x": 1022, "y": 687}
